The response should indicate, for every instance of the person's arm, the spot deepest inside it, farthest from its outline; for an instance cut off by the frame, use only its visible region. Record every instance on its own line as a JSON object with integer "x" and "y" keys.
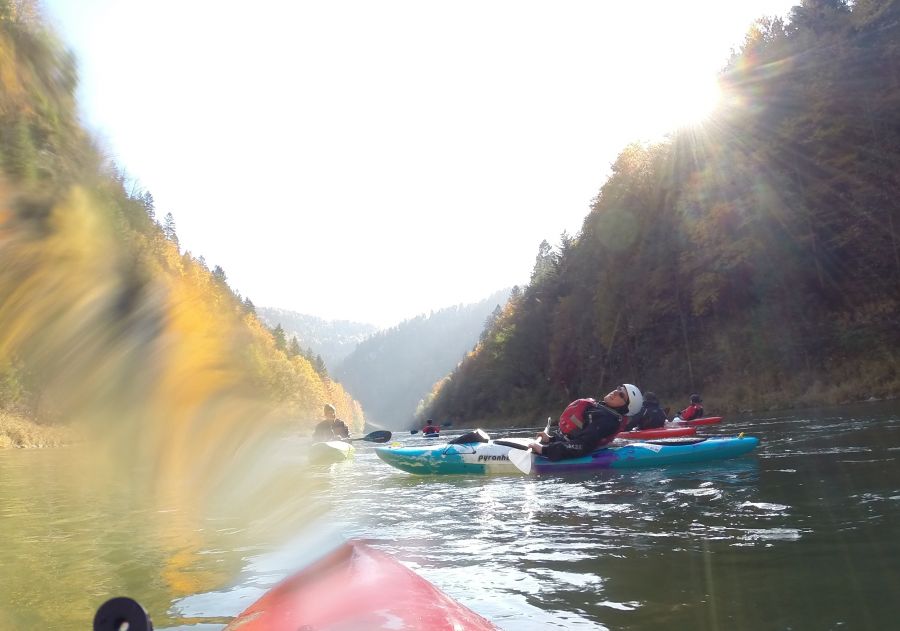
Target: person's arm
{"x": 634, "y": 422}
{"x": 588, "y": 435}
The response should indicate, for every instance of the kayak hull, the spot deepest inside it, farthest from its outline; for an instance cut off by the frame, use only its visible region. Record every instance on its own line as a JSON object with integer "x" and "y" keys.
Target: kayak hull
{"x": 465, "y": 458}
{"x": 431, "y": 435}
{"x": 357, "y": 587}
{"x": 491, "y": 458}
{"x": 329, "y": 451}
{"x": 639, "y": 455}
{"x": 695, "y": 422}
{"x": 660, "y": 432}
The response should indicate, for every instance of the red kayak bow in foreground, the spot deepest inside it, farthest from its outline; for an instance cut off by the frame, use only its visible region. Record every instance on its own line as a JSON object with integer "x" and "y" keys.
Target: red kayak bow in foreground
{"x": 356, "y": 587}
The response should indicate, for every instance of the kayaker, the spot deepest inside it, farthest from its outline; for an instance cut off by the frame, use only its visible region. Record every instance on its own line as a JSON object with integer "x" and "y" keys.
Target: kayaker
{"x": 331, "y": 428}
{"x": 650, "y": 416}
{"x": 431, "y": 428}
{"x": 694, "y": 410}
{"x": 586, "y": 424}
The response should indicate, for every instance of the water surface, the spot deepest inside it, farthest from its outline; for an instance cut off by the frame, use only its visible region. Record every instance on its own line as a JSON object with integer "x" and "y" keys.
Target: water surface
{"x": 798, "y": 535}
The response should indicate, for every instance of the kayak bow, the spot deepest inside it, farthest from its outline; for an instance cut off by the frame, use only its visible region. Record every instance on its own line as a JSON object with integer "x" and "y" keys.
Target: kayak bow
{"x": 329, "y": 451}
{"x": 357, "y": 587}
{"x": 707, "y": 420}
{"x": 659, "y": 432}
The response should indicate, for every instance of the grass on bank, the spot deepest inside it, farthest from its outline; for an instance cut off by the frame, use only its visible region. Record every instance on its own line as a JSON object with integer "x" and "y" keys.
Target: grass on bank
{"x": 18, "y": 431}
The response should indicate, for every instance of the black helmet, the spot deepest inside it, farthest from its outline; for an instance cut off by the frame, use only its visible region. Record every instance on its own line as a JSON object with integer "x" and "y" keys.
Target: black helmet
{"x": 695, "y": 398}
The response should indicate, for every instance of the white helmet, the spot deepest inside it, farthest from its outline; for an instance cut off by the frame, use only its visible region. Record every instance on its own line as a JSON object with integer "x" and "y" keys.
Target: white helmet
{"x": 635, "y": 399}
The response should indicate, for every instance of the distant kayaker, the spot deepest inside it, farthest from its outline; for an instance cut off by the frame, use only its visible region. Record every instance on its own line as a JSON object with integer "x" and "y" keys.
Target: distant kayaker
{"x": 694, "y": 410}
{"x": 650, "y": 416}
{"x": 431, "y": 428}
{"x": 331, "y": 428}
{"x": 587, "y": 424}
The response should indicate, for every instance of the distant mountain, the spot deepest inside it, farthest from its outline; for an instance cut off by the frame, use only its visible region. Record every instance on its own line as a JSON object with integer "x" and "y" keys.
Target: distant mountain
{"x": 332, "y": 339}
{"x": 391, "y": 372}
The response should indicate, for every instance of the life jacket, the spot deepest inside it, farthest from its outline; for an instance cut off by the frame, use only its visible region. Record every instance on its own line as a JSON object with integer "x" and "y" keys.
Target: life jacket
{"x": 572, "y": 418}
{"x": 695, "y": 410}
{"x": 653, "y": 417}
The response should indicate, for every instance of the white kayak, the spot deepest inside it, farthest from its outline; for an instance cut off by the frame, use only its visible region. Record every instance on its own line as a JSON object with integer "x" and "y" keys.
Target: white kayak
{"x": 329, "y": 451}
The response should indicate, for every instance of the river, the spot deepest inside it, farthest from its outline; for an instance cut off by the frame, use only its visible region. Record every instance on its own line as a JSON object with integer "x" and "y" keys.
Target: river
{"x": 801, "y": 534}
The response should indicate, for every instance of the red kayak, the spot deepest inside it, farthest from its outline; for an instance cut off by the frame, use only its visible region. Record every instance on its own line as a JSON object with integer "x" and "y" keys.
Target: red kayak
{"x": 659, "y": 432}
{"x": 707, "y": 420}
{"x": 352, "y": 588}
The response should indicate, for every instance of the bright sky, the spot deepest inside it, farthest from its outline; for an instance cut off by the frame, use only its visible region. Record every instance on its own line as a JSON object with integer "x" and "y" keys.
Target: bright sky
{"x": 372, "y": 161}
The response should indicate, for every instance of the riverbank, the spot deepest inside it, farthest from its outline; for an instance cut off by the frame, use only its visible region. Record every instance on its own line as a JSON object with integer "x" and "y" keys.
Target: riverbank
{"x": 20, "y": 432}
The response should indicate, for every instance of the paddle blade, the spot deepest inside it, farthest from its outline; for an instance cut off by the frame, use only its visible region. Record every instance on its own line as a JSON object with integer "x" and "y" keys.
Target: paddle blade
{"x": 522, "y": 460}
{"x": 380, "y": 436}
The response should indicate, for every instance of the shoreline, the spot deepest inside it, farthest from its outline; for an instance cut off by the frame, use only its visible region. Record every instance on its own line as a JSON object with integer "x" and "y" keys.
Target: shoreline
{"x": 20, "y": 432}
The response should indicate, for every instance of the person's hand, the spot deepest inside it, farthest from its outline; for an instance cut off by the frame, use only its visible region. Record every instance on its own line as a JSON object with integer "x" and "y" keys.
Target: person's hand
{"x": 543, "y": 437}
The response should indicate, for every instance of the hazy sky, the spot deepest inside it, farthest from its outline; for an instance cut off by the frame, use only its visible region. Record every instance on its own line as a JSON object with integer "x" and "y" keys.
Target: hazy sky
{"x": 371, "y": 160}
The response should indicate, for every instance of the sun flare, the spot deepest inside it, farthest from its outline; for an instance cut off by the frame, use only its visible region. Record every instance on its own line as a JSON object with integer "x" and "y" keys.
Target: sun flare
{"x": 692, "y": 100}
{"x": 674, "y": 102}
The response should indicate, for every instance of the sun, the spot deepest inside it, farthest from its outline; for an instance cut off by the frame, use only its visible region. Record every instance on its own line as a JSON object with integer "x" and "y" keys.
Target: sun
{"x": 692, "y": 100}
{"x": 676, "y": 101}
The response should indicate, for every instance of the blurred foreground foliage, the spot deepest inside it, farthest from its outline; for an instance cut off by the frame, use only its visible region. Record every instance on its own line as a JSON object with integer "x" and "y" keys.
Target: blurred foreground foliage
{"x": 754, "y": 258}
{"x": 102, "y": 318}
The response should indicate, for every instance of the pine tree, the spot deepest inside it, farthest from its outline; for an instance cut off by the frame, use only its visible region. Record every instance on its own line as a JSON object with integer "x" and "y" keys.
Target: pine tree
{"x": 319, "y": 365}
{"x": 149, "y": 205}
{"x": 278, "y": 335}
{"x": 169, "y": 228}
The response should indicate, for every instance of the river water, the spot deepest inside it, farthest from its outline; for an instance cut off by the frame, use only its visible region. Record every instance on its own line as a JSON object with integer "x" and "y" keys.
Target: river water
{"x": 801, "y": 534}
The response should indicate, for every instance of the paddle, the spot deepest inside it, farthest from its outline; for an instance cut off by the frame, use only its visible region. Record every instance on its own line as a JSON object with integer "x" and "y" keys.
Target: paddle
{"x": 522, "y": 459}
{"x": 378, "y": 436}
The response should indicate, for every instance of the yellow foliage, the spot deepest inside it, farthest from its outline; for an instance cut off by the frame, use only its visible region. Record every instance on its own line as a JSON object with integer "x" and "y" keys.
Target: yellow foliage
{"x": 124, "y": 333}
{"x": 16, "y": 431}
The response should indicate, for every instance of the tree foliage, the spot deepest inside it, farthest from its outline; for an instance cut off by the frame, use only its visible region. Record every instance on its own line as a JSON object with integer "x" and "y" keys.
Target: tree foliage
{"x": 754, "y": 257}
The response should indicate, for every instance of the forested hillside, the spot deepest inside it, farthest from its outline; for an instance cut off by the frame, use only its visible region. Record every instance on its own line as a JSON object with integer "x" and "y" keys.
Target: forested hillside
{"x": 102, "y": 317}
{"x": 754, "y": 258}
{"x": 391, "y": 372}
{"x": 331, "y": 340}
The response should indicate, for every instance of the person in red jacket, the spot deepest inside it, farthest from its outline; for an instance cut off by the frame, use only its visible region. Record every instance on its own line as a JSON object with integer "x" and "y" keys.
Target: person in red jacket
{"x": 586, "y": 424}
{"x": 430, "y": 428}
{"x": 694, "y": 410}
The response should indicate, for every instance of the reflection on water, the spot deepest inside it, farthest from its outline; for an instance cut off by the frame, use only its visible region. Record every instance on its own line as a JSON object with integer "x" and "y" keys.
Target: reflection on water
{"x": 751, "y": 543}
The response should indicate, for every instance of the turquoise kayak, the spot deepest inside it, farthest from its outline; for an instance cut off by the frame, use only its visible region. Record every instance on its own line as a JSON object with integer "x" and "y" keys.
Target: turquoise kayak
{"x": 491, "y": 457}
